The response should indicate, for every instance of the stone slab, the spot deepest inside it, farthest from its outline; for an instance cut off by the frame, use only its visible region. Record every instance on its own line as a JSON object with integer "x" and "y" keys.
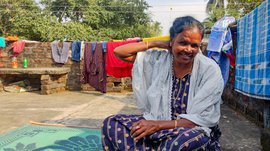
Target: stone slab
{"x": 34, "y": 71}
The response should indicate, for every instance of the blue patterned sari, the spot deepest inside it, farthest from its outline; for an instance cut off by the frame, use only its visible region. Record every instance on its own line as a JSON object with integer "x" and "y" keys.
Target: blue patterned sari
{"x": 116, "y": 129}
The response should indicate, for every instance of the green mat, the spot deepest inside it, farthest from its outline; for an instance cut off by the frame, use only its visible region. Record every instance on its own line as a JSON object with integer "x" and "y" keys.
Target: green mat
{"x": 51, "y": 138}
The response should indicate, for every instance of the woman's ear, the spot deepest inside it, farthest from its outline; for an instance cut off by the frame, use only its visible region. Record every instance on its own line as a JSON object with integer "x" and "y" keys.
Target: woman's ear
{"x": 170, "y": 46}
{"x": 171, "y": 42}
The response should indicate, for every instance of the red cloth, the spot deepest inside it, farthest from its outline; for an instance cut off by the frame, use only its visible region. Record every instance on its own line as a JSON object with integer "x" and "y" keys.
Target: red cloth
{"x": 232, "y": 59}
{"x": 114, "y": 66}
{"x": 17, "y": 48}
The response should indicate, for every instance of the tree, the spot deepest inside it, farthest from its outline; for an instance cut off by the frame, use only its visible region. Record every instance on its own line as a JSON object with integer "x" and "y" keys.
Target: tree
{"x": 239, "y": 8}
{"x": 212, "y": 4}
{"x": 77, "y": 19}
{"x": 128, "y": 18}
{"x": 84, "y": 11}
{"x": 11, "y": 10}
{"x": 154, "y": 28}
{"x": 215, "y": 10}
{"x": 116, "y": 19}
{"x": 236, "y": 8}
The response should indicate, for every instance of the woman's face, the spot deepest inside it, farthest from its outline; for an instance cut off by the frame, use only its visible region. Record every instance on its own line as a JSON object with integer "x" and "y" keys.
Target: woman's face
{"x": 186, "y": 45}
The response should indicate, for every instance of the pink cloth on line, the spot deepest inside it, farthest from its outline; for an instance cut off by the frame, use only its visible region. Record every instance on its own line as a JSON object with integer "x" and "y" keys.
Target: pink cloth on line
{"x": 114, "y": 66}
{"x": 17, "y": 48}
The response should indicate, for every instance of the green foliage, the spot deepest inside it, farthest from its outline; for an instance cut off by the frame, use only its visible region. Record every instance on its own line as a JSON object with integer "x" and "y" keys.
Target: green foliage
{"x": 235, "y": 8}
{"x": 11, "y": 10}
{"x": 49, "y": 29}
{"x": 32, "y": 26}
{"x": 127, "y": 12}
{"x": 127, "y": 18}
{"x": 84, "y": 11}
{"x": 215, "y": 14}
{"x": 76, "y": 19}
{"x": 239, "y": 8}
{"x": 154, "y": 28}
{"x": 215, "y": 10}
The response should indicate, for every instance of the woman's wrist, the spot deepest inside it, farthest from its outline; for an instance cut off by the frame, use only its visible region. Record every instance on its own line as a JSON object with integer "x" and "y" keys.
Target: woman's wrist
{"x": 161, "y": 125}
{"x": 175, "y": 124}
{"x": 146, "y": 45}
{"x": 156, "y": 44}
{"x": 158, "y": 125}
{"x": 150, "y": 44}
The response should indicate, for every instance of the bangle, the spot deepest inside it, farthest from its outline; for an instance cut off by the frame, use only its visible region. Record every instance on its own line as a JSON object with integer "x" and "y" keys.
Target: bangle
{"x": 147, "y": 45}
{"x": 175, "y": 123}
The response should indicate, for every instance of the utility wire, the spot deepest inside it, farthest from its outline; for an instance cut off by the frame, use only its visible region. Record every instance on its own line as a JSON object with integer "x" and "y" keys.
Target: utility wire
{"x": 125, "y": 6}
{"x": 109, "y": 11}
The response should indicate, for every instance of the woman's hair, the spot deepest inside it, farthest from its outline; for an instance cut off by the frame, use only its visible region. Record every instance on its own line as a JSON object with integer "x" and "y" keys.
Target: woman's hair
{"x": 182, "y": 23}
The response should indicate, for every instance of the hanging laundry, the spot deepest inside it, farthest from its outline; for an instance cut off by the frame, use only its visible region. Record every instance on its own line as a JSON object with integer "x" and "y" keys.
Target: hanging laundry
{"x": 82, "y": 50}
{"x": 227, "y": 48}
{"x": 114, "y": 66}
{"x": 104, "y": 46}
{"x": 224, "y": 57}
{"x": 76, "y": 51}
{"x": 134, "y": 38}
{"x": 94, "y": 72}
{"x": 223, "y": 61}
{"x": 220, "y": 43}
{"x": 17, "y": 48}
{"x": 252, "y": 69}
{"x": 218, "y": 33}
{"x": 2, "y": 45}
{"x": 2, "y": 42}
{"x": 12, "y": 38}
{"x": 163, "y": 38}
{"x": 60, "y": 55}
{"x": 116, "y": 40}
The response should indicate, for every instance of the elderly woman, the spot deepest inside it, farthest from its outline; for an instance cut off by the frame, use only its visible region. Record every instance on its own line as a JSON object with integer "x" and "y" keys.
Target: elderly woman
{"x": 179, "y": 91}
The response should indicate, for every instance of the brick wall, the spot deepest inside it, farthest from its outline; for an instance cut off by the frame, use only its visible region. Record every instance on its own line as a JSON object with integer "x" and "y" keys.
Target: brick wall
{"x": 39, "y": 54}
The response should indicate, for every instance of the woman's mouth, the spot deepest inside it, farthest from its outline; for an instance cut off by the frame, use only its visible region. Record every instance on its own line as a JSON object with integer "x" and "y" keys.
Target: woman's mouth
{"x": 185, "y": 55}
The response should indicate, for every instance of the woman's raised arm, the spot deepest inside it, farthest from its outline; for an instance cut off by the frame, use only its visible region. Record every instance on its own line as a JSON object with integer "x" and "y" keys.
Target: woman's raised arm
{"x": 129, "y": 51}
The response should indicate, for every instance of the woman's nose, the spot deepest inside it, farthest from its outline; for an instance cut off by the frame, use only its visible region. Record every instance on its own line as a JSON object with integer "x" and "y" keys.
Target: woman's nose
{"x": 188, "y": 48}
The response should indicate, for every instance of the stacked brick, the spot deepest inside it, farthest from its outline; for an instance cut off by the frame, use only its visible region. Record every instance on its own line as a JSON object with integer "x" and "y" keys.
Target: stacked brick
{"x": 113, "y": 85}
{"x": 39, "y": 55}
{"x": 53, "y": 83}
{"x": 7, "y": 78}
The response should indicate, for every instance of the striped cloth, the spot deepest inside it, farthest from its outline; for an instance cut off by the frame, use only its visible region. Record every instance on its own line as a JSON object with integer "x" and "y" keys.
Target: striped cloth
{"x": 252, "y": 75}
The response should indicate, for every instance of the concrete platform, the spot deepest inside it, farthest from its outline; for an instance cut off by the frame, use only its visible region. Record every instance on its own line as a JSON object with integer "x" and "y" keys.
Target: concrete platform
{"x": 88, "y": 109}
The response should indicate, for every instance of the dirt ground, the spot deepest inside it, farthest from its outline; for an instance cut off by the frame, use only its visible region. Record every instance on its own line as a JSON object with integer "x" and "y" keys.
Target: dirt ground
{"x": 88, "y": 109}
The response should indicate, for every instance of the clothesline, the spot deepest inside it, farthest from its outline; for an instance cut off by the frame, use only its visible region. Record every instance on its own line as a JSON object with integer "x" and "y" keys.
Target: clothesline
{"x": 97, "y": 65}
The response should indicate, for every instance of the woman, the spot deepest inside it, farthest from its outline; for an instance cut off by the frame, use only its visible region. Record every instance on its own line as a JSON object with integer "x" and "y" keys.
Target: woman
{"x": 179, "y": 92}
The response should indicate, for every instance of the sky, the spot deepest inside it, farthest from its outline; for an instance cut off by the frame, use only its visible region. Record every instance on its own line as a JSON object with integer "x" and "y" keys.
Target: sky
{"x": 165, "y": 11}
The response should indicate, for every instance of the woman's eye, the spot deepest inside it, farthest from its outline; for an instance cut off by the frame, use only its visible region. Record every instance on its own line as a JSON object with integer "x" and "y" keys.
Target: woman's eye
{"x": 194, "y": 46}
{"x": 182, "y": 43}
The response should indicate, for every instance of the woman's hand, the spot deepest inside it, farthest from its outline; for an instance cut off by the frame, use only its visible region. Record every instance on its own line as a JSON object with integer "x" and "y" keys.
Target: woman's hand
{"x": 143, "y": 128}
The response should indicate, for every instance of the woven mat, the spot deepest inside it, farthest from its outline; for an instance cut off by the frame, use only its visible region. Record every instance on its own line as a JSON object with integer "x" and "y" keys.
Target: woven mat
{"x": 51, "y": 138}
